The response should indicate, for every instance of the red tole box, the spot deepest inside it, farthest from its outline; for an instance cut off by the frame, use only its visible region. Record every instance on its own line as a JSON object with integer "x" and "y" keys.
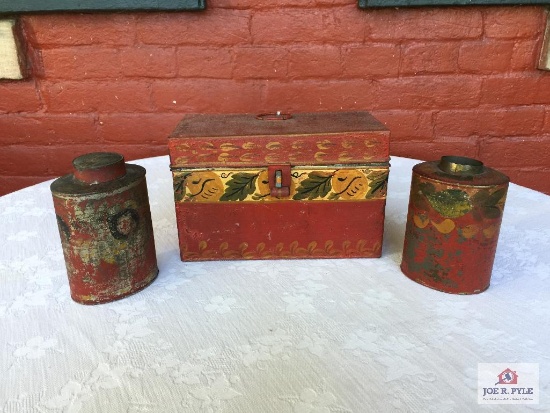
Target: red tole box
{"x": 309, "y": 185}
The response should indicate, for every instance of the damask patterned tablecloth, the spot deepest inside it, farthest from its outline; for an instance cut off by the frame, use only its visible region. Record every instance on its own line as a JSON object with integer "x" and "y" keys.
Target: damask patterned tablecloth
{"x": 300, "y": 336}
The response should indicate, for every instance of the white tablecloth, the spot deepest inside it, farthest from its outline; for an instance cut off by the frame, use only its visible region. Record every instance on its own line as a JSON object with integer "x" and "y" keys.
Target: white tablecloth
{"x": 299, "y": 336}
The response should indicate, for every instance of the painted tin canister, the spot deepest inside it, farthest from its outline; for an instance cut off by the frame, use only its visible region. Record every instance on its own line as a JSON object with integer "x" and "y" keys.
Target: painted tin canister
{"x": 105, "y": 226}
{"x": 453, "y": 223}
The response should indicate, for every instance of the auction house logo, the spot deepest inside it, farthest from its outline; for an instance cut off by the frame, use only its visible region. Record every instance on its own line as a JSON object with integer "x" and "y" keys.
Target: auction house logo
{"x": 516, "y": 383}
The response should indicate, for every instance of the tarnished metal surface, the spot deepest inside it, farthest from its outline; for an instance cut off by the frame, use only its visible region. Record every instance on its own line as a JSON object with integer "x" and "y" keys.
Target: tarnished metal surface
{"x": 105, "y": 227}
{"x": 454, "y": 218}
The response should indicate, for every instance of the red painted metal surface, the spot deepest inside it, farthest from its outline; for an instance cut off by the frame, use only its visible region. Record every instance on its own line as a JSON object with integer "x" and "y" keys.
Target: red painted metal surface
{"x": 105, "y": 227}
{"x": 280, "y": 186}
{"x": 453, "y": 223}
{"x": 294, "y": 229}
{"x": 304, "y": 139}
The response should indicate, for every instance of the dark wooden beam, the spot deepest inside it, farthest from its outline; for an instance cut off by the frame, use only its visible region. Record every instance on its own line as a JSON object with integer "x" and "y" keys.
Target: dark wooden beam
{"x": 31, "y": 6}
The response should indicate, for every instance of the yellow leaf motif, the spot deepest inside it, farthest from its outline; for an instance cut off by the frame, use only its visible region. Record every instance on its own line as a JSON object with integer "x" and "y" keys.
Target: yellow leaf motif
{"x": 273, "y": 146}
{"x": 344, "y": 156}
{"x": 247, "y": 157}
{"x": 421, "y": 221}
{"x": 249, "y": 145}
{"x": 208, "y": 146}
{"x": 224, "y": 157}
{"x": 319, "y": 156}
{"x": 182, "y": 160}
{"x": 445, "y": 226}
{"x": 297, "y": 144}
{"x": 228, "y": 147}
{"x": 272, "y": 157}
{"x": 325, "y": 144}
{"x": 469, "y": 231}
{"x": 490, "y": 232}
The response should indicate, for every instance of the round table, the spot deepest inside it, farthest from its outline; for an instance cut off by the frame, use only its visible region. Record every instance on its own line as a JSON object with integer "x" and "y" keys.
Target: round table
{"x": 301, "y": 336}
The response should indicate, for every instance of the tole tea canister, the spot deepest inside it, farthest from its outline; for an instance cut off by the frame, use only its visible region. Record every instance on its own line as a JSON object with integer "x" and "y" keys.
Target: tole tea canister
{"x": 453, "y": 223}
{"x": 105, "y": 226}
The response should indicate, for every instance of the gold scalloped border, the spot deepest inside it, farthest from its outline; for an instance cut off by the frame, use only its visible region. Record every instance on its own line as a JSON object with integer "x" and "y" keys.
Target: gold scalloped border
{"x": 281, "y": 250}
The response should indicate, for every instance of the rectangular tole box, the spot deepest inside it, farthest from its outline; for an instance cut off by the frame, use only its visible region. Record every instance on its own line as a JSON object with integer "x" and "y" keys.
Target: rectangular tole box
{"x": 309, "y": 185}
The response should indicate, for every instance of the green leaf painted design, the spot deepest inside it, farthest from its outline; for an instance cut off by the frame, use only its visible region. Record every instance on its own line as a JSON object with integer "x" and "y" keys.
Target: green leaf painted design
{"x": 240, "y": 186}
{"x": 486, "y": 204}
{"x": 316, "y": 185}
{"x": 179, "y": 187}
{"x": 378, "y": 183}
{"x": 450, "y": 203}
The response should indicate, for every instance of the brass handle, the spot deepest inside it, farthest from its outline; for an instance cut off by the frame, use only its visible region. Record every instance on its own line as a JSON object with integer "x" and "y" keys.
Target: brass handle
{"x": 274, "y": 116}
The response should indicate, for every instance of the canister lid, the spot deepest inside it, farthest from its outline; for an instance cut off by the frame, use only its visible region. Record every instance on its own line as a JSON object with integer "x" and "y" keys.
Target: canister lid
{"x": 98, "y": 167}
{"x": 97, "y": 173}
{"x": 460, "y": 165}
{"x": 461, "y": 170}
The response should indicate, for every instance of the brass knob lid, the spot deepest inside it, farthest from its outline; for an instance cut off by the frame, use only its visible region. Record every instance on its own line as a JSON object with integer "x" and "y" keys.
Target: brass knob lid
{"x": 460, "y": 165}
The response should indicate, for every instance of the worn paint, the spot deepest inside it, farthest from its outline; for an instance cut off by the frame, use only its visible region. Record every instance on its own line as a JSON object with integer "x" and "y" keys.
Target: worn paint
{"x": 303, "y": 186}
{"x": 307, "y": 182}
{"x": 105, "y": 228}
{"x": 453, "y": 224}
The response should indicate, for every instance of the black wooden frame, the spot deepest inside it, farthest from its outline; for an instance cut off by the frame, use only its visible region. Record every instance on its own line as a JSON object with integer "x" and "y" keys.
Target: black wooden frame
{"x": 33, "y": 6}
{"x": 415, "y": 3}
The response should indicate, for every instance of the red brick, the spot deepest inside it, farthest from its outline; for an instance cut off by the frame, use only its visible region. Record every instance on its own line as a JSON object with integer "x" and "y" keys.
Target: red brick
{"x": 53, "y": 161}
{"x": 534, "y": 178}
{"x": 430, "y": 58}
{"x": 213, "y": 27}
{"x": 19, "y": 96}
{"x": 10, "y": 184}
{"x": 407, "y": 125}
{"x": 88, "y": 62}
{"x": 204, "y": 62}
{"x": 147, "y": 61}
{"x": 133, "y": 152}
{"x": 428, "y": 92}
{"x": 528, "y": 89}
{"x": 314, "y": 61}
{"x": 546, "y": 127}
{"x": 205, "y": 95}
{"x": 525, "y": 55}
{"x": 320, "y": 95}
{"x": 47, "y": 129}
{"x": 434, "y": 150}
{"x": 325, "y": 25}
{"x": 260, "y": 62}
{"x": 150, "y": 129}
{"x": 516, "y": 152}
{"x": 514, "y": 22}
{"x": 483, "y": 122}
{"x": 53, "y": 30}
{"x": 485, "y": 57}
{"x": 425, "y": 23}
{"x": 371, "y": 60}
{"x": 91, "y": 96}
{"x": 28, "y": 160}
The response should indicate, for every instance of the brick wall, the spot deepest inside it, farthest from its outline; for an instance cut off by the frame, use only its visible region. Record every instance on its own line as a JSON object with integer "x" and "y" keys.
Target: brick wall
{"x": 445, "y": 80}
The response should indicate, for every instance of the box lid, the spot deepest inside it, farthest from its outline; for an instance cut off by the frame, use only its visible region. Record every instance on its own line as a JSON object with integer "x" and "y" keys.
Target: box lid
{"x": 323, "y": 138}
